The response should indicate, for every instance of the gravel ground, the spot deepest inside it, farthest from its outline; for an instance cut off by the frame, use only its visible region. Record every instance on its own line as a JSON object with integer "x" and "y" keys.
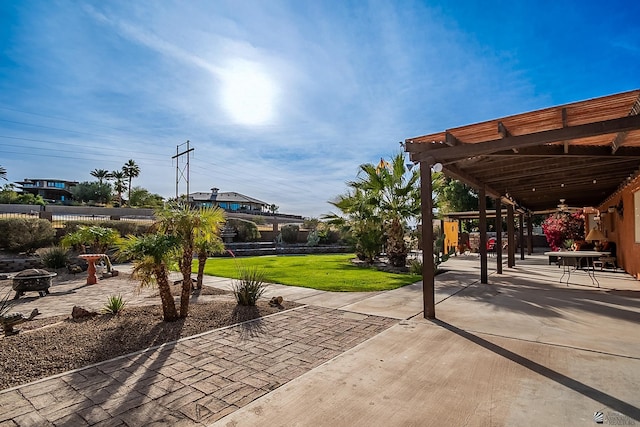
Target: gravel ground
{"x": 53, "y": 345}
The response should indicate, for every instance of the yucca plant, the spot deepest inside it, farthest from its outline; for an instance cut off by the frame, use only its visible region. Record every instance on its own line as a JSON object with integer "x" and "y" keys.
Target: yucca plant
{"x": 5, "y": 303}
{"x": 53, "y": 257}
{"x": 250, "y": 286}
{"x": 115, "y": 304}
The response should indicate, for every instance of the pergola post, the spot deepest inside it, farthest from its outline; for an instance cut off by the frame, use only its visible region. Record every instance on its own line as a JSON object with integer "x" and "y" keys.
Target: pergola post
{"x": 511, "y": 240}
{"x": 428, "y": 267}
{"x": 521, "y": 236}
{"x": 529, "y": 235}
{"x": 498, "y": 236}
{"x": 482, "y": 205}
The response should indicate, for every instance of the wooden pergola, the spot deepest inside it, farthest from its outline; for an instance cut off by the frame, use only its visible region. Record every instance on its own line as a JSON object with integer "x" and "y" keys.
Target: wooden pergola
{"x": 581, "y": 152}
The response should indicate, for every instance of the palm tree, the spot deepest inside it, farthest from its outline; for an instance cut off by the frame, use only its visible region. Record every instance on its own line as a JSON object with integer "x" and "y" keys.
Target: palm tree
{"x": 207, "y": 239}
{"x": 118, "y": 183}
{"x": 101, "y": 174}
{"x": 186, "y": 225}
{"x": 386, "y": 195}
{"x": 151, "y": 254}
{"x": 3, "y": 173}
{"x": 131, "y": 170}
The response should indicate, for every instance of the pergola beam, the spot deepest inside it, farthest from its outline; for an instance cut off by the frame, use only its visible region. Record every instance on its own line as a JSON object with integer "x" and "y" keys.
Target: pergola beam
{"x": 456, "y": 173}
{"x": 444, "y": 153}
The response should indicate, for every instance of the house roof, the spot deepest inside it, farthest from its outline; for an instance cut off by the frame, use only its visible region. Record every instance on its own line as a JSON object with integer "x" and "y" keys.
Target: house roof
{"x": 225, "y": 197}
{"x": 582, "y": 152}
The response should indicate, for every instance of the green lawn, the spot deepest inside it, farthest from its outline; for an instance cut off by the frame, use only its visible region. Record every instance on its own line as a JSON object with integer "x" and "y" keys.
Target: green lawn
{"x": 323, "y": 272}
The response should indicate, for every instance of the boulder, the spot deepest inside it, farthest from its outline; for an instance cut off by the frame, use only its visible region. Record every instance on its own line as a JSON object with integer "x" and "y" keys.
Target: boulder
{"x": 80, "y": 313}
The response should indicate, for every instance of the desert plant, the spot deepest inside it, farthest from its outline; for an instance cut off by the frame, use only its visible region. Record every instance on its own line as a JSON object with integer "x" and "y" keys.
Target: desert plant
{"x": 5, "y": 303}
{"x": 151, "y": 254}
{"x": 313, "y": 239}
{"x": 250, "y": 286}
{"x": 53, "y": 257}
{"x": 115, "y": 304}
{"x": 415, "y": 267}
{"x": 246, "y": 231}
{"x": 25, "y": 234}
{"x": 290, "y": 233}
{"x": 99, "y": 239}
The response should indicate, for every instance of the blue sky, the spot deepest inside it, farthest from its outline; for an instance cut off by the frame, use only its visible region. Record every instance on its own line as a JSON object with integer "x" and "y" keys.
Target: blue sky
{"x": 282, "y": 101}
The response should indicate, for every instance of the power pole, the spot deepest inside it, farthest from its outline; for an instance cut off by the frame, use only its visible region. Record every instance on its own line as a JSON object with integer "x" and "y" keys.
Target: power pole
{"x": 184, "y": 172}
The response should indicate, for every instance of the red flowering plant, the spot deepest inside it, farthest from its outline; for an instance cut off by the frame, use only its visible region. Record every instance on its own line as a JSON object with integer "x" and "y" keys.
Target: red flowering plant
{"x": 563, "y": 226}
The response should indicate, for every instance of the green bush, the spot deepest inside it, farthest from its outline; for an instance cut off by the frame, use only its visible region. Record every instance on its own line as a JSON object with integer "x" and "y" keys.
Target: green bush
{"x": 313, "y": 239}
{"x": 99, "y": 239}
{"x": 290, "y": 233}
{"x": 115, "y": 304}
{"x": 53, "y": 257}
{"x": 25, "y": 234}
{"x": 415, "y": 267}
{"x": 246, "y": 231}
{"x": 250, "y": 286}
{"x": 125, "y": 228}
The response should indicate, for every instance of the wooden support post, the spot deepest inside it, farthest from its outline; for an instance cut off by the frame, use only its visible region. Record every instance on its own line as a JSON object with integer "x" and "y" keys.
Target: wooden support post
{"x": 511, "y": 239}
{"x": 498, "y": 236}
{"x": 428, "y": 267}
{"x": 521, "y": 236}
{"x": 529, "y": 235}
{"x": 482, "y": 204}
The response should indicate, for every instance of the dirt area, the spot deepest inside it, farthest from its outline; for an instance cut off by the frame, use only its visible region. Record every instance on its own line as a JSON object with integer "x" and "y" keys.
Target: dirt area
{"x": 53, "y": 345}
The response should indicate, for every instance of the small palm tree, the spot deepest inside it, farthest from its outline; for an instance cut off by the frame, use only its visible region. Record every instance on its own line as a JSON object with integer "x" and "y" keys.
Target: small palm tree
{"x": 131, "y": 170}
{"x": 186, "y": 225}
{"x": 3, "y": 173}
{"x": 101, "y": 174}
{"x": 207, "y": 239}
{"x": 151, "y": 254}
{"x": 118, "y": 184}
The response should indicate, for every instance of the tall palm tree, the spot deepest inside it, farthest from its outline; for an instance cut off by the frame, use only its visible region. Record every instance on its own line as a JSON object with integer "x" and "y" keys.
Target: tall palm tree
{"x": 151, "y": 254}
{"x": 186, "y": 225}
{"x": 101, "y": 174}
{"x": 118, "y": 183}
{"x": 3, "y": 173}
{"x": 131, "y": 170}
{"x": 207, "y": 238}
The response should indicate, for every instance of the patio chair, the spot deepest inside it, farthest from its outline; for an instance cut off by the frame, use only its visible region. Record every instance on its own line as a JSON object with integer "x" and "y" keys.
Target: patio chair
{"x": 491, "y": 246}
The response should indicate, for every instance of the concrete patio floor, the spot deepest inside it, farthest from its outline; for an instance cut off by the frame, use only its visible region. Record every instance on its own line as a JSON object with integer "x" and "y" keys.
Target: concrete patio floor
{"x": 522, "y": 350}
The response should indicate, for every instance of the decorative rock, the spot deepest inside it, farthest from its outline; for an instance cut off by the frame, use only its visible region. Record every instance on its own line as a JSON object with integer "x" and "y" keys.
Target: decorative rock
{"x": 80, "y": 313}
{"x": 276, "y": 302}
{"x": 8, "y": 321}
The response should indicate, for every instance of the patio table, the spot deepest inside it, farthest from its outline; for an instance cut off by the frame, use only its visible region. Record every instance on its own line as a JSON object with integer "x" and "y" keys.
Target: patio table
{"x": 574, "y": 259}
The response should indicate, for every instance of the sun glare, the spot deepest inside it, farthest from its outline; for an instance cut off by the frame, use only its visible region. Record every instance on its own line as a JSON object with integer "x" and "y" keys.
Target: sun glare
{"x": 248, "y": 93}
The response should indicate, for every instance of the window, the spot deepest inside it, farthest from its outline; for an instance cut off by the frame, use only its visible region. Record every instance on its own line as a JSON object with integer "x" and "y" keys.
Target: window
{"x": 235, "y": 206}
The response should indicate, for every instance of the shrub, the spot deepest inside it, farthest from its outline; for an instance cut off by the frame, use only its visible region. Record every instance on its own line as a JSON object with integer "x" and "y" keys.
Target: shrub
{"x": 125, "y": 228}
{"x": 250, "y": 286}
{"x": 25, "y": 234}
{"x": 290, "y": 233}
{"x": 328, "y": 237}
{"x": 100, "y": 239}
{"x": 115, "y": 304}
{"x": 313, "y": 239}
{"x": 53, "y": 257}
{"x": 246, "y": 231}
{"x": 415, "y": 267}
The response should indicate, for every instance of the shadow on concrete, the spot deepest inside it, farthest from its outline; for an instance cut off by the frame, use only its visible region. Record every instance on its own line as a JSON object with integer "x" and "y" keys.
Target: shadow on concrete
{"x": 575, "y": 385}
{"x": 539, "y": 299}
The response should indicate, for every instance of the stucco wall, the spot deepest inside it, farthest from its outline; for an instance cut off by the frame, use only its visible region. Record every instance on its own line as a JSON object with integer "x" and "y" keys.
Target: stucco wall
{"x": 621, "y": 229}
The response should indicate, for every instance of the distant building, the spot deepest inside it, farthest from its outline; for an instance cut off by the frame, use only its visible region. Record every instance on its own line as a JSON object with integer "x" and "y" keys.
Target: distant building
{"x": 229, "y": 201}
{"x": 52, "y": 190}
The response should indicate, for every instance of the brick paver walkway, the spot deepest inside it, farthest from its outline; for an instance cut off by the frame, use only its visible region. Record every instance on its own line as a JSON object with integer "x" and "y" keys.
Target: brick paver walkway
{"x": 195, "y": 381}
